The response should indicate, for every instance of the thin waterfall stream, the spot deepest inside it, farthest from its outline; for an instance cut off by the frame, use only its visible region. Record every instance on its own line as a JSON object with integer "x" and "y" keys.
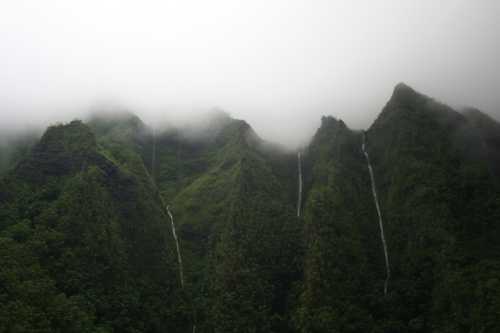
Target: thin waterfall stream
{"x": 167, "y": 207}
{"x": 299, "y": 198}
{"x": 179, "y": 257}
{"x": 380, "y": 221}
{"x": 174, "y": 233}
{"x": 153, "y": 156}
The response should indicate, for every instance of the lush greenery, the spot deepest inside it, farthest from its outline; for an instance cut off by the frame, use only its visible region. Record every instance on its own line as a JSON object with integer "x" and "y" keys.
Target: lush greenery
{"x": 442, "y": 208}
{"x": 343, "y": 265}
{"x": 240, "y": 239}
{"x": 86, "y": 243}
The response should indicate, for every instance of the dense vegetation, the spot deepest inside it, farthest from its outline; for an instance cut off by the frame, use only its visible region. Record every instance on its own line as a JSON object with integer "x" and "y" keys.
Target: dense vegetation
{"x": 442, "y": 207}
{"x": 86, "y": 243}
{"x": 239, "y": 235}
{"x": 343, "y": 265}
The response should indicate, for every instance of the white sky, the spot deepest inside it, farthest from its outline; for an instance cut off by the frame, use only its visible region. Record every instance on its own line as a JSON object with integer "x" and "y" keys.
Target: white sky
{"x": 280, "y": 65}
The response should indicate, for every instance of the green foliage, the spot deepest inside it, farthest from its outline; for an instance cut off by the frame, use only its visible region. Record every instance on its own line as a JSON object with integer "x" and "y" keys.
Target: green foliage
{"x": 86, "y": 244}
{"x": 440, "y": 203}
{"x": 240, "y": 241}
{"x": 342, "y": 263}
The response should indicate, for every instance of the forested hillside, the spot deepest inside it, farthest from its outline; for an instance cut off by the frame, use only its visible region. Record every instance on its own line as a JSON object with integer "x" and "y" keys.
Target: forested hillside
{"x": 84, "y": 245}
{"x": 343, "y": 265}
{"x": 442, "y": 207}
{"x": 99, "y": 218}
{"x": 228, "y": 191}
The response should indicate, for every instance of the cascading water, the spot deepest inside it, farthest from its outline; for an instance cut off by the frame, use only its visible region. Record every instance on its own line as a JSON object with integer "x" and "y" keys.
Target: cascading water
{"x": 174, "y": 233}
{"x": 299, "y": 199}
{"x": 179, "y": 258}
{"x": 153, "y": 156}
{"x": 377, "y": 206}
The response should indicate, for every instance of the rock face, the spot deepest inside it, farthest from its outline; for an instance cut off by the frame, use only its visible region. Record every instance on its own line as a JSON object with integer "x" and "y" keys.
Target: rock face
{"x": 86, "y": 243}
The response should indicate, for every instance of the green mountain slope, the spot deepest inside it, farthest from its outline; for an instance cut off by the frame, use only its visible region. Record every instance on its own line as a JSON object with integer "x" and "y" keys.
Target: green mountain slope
{"x": 440, "y": 205}
{"x": 343, "y": 266}
{"x": 442, "y": 210}
{"x": 84, "y": 243}
{"x": 98, "y": 220}
{"x": 236, "y": 222}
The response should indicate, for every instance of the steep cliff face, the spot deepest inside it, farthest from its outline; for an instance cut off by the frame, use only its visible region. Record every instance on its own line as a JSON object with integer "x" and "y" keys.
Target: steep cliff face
{"x": 84, "y": 244}
{"x": 87, "y": 220}
{"x": 440, "y": 204}
{"x": 236, "y": 224}
{"x": 343, "y": 262}
{"x": 441, "y": 208}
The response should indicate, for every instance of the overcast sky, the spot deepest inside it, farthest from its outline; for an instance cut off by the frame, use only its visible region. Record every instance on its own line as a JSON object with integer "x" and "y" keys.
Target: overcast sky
{"x": 280, "y": 65}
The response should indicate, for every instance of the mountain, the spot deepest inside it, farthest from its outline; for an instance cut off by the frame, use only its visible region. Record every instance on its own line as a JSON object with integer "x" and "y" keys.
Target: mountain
{"x": 110, "y": 225}
{"x": 228, "y": 191}
{"x": 440, "y": 206}
{"x": 343, "y": 262}
{"x": 84, "y": 243}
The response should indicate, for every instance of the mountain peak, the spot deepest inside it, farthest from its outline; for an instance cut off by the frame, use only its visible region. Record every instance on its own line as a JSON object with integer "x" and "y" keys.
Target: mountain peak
{"x": 402, "y": 86}
{"x": 404, "y": 94}
{"x": 63, "y": 149}
{"x": 330, "y": 128}
{"x": 72, "y": 137}
{"x": 238, "y": 130}
{"x": 332, "y": 122}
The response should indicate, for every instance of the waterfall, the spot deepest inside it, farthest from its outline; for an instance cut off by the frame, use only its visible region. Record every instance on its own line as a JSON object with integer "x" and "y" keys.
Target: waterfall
{"x": 377, "y": 206}
{"x": 174, "y": 233}
{"x": 179, "y": 258}
{"x": 153, "y": 156}
{"x": 299, "y": 199}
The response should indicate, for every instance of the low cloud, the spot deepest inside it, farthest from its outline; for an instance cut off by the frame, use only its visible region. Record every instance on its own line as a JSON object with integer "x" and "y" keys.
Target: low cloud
{"x": 279, "y": 65}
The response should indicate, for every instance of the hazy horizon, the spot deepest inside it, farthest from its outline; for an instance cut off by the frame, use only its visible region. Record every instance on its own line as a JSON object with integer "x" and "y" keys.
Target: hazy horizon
{"x": 267, "y": 62}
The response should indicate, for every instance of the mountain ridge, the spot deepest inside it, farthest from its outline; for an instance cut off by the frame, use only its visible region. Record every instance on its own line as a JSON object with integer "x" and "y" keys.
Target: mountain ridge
{"x": 84, "y": 215}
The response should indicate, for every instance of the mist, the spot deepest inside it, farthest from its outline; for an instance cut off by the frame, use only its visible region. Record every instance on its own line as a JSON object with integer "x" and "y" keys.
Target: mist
{"x": 279, "y": 65}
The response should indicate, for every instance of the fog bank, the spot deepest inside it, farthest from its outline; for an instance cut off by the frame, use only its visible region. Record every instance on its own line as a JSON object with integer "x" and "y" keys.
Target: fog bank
{"x": 279, "y": 65}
